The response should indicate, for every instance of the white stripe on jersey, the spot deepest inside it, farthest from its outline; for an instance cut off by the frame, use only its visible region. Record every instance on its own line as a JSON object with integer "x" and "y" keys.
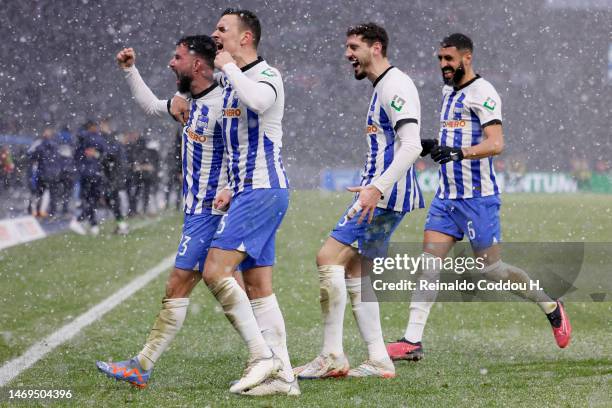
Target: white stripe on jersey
{"x": 253, "y": 140}
{"x": 394, "y": 99}
{"x": 203, "y": 161}
{"x": 463, "y": 112}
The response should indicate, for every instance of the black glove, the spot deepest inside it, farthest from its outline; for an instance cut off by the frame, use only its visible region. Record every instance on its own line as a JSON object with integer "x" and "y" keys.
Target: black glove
{"x": 427, "y": 145}
{"x": 444, "y": 154}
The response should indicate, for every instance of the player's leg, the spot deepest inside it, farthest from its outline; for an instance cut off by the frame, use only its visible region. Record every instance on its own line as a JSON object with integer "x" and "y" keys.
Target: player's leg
{"x": 367, "y": 315}
{"x": 258, "y": 286}
{"x": 250, "y": 224}
{"x": 331, "y": 261}
{"x": 441, "y": 233}
{"x": 198, "y": 231}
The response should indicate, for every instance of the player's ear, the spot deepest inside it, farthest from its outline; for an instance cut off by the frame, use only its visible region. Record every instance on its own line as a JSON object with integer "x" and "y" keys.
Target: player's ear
{"x": 377, "y": 48}
{"x": 246, "y": 38}
{"x": 467, "y": 58}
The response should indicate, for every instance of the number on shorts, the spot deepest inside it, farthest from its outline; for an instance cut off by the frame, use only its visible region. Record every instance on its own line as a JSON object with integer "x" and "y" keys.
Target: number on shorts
{"x": 222, "y": 224}
{"x": 183, "y": 245}
{"x": 470, "y": 228}
{"x": 343, "y": 222}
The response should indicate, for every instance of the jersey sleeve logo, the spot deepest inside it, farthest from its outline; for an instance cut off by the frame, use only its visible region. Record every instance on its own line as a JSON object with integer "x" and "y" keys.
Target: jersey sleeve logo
{"x": 268, "y": 72}
{"x": 489, "y": 104}
{"x": 397, "y": 103}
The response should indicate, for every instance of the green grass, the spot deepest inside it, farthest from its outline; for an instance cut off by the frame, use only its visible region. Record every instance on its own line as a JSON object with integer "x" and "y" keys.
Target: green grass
{"x": 493, "y": 354}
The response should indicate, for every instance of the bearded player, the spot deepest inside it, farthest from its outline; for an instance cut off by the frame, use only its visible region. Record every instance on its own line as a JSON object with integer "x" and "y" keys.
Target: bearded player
{"x": 388, "y": 190}
{"x": 204, "y": 175}
{"x": 468, "y": 199}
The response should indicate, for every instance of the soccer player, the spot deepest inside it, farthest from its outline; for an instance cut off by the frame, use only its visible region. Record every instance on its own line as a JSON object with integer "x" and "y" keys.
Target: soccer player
{"x": 204, "y": 175}
{"x": 253, "y": 105}
{"x": 388, "y": 190}
{"x": 467, "y": 201}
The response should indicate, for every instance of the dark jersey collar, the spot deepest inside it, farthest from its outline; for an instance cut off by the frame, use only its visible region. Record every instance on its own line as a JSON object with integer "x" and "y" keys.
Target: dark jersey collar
{"x": 206, "y": 91}
{"x": 468, "y": 83}
{"x": 252, "y": 64}
{"x": 381, "y": 76}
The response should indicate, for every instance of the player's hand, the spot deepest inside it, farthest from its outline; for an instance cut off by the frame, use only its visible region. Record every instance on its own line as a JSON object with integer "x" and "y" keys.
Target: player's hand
{"x": 368, "y": 199}
{"x": 428, "y": 145}
{"x": 179, "y": 109}
{"x": 126, "y": 57}
{"x": 222, "y": 199}
{"x": 444, "y": 154}
{"x": 222, "y": 58}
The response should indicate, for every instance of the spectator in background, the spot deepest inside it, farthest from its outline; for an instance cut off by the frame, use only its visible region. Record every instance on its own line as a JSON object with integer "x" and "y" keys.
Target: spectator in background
{"x": 147, "y": 169}
{"x": 7, "y": 167}
{"x": 89, "y": 156}
{"x": 175, "y": 171}
{"x": 44, "y": 157}
{"x": 114, "y": 165}
{"x": 134, "y": 146}
{"x": 68, "y": 173}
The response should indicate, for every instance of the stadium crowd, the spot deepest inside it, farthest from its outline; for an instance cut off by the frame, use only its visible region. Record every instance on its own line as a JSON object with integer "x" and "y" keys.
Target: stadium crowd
{"x": 75, "y": 175}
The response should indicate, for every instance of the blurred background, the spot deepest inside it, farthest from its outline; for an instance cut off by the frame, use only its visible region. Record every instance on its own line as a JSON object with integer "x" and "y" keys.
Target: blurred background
{"x": 550, "y": 60}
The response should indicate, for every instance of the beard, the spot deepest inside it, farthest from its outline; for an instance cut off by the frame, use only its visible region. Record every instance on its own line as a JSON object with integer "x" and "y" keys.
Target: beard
{"x": 360, "y": 75}
{"x": 184, "y": 84}
{"x": 457, "y": 75}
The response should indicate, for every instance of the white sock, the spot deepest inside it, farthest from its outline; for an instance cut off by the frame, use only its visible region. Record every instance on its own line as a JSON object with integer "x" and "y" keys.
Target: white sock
{"x": 333, "y": 302}
{"x": 238, "y": 311}
{"x": 422, "y": 301}
{"x": 168, "y": 322}
{"x": 503, "y": 271}
{"x": 367, "y": 315}
{"x": 272, "y": 325}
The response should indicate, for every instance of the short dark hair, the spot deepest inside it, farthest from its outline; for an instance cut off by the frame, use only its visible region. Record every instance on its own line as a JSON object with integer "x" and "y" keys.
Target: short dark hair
{"x": 460, "y": 41}
{"x": 371, "y": 33}
{"x": 202, "y": 45}
{"x": 248, "y": 20}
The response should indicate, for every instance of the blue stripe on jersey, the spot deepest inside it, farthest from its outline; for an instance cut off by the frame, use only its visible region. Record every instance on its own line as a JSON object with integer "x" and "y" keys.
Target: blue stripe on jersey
{"x": 216, "y": 165}
{"x": 421, "y": 200}
{"x": 374, "y": 152}
{"x": 184, "y": 170}
{"x": 389, "y": 137}
{"x": 197, "y": 165}
{"x": 385, "y": 123}
{"x": 492, "y": 173}
{"x": 443, "y": 143}
{"x": 235, "y": 157}
{"x": 409, "y": 197}
{"x": 457, "y": 143}
{"x": 475, "y": 164}
{"x": 253, "y": 129}
{"x": 280, "y": 161}
{"x": 269, "y": 153}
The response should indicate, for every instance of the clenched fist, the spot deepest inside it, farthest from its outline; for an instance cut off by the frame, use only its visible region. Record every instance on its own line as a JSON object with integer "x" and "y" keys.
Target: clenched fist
{"x": 126, "y": 57}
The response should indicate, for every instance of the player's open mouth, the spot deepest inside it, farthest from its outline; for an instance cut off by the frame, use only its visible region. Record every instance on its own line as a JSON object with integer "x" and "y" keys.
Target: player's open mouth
{"x": 219, "y": 46}
{"x": 355, "y": 63}
{"x": 447, "y": 73}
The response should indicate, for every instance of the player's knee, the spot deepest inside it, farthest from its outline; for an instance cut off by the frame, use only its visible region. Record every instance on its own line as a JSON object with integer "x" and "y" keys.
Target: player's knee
{"x": 496, "y": 271}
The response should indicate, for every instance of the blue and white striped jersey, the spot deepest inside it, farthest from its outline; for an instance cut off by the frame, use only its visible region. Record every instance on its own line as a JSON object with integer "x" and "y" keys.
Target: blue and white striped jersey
{"x": 395, "y": 101}
{"x": 203, "y": 154}
{"x": 253, "y": 140}
{"x": 465, "y": 111}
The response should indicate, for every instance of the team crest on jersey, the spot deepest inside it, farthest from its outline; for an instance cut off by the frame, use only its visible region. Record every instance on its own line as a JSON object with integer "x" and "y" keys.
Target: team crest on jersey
{"x": 489, "y": 104}
{"x": 196, "y": 137}
{"x": 397, "y": 103}
{"x": 202, "y": 122}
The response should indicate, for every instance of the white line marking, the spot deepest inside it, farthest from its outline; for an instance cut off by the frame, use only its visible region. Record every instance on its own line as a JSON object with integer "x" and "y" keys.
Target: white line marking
{"x": 13, "y": 368}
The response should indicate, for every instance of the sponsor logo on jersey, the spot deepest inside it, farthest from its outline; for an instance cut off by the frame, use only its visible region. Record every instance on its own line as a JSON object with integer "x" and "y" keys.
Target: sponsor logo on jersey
{"x": 231, "y": 112}
{"x": 268, "y": 72}
{"x": 196, "y": 137}
{"x": 397, "y": 103}
{"x": 371, "y": 129}
{"x": 453, "y": 124}
{"x": 489, "y": 104}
